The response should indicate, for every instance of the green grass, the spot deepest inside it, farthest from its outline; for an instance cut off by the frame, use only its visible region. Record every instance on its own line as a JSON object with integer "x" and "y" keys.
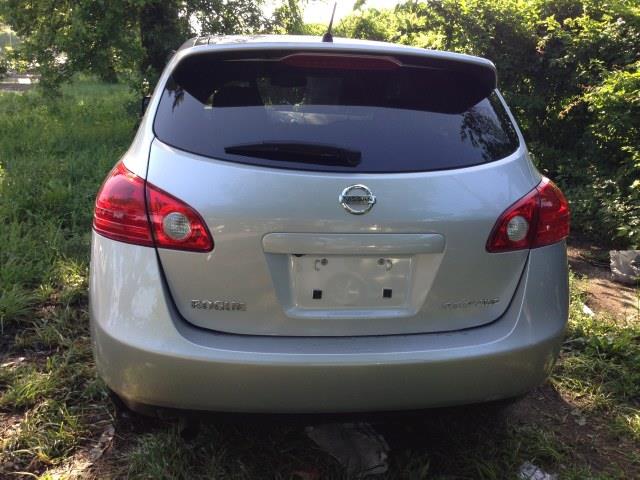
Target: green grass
{"x": 600, "y": 365}
{"x": 53, "y": 155}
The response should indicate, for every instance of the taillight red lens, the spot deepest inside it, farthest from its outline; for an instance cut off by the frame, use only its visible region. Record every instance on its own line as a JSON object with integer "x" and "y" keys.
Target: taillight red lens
{"x": 341, "y": 62}
{"x": 539, "y": 218}
{"x": 121, "y": 214}
{"x": 120, "y": 211}
{"x": 553, "y": 216}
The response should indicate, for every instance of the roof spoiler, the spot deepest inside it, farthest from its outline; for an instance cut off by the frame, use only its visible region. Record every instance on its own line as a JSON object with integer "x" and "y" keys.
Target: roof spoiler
{"x": 482, "y": 70}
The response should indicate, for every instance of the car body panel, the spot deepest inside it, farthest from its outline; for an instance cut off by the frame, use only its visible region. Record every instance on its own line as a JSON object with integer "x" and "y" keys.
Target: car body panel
{"x": 148, "y": 354}
{"x": 460, "y": 287}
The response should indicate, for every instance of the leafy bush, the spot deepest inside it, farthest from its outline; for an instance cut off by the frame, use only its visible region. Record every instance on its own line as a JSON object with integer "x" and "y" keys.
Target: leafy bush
{"x": 614, "y": 106}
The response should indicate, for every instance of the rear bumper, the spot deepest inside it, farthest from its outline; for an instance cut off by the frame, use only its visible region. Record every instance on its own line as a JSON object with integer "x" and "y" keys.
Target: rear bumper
{"x": 148, "y": 355}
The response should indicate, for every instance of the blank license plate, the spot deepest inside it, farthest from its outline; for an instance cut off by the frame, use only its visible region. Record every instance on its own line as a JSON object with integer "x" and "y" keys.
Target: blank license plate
{"x": 352, "y": 282}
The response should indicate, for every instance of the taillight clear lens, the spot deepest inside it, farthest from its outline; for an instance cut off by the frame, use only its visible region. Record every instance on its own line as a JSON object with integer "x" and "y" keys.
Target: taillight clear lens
{"x": 517, "y": 228}
{"x": 177, "y": 226}
{"x": 539, "y": 218}
{"x": 120, "y": 211}
{"x": 121, "y": 214}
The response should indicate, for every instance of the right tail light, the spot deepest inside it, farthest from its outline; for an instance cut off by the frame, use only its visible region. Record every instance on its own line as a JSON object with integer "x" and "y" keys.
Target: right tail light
{"x": 539, "y": 218}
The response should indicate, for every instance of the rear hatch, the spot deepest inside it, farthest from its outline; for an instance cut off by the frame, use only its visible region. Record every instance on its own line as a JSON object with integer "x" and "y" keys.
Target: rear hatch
{"x": 347, "y": 193}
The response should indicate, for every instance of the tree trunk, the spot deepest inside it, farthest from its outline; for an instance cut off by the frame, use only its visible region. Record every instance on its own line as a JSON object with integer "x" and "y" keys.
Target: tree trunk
{"x": 161, "y": 31}
{"x": 108, "y": 73}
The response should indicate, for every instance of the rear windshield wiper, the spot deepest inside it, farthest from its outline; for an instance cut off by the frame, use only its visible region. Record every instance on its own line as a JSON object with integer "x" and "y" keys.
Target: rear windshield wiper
{"x": 298, "y": 152}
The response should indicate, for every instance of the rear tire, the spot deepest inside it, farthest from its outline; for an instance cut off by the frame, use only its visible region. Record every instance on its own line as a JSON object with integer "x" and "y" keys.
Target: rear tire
{"x": 128, "y": 408}
{"x": 119, "y": 405}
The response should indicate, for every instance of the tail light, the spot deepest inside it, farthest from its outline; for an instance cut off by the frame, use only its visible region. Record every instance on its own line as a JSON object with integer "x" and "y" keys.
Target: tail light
{"x": 175, "y": 224}
{"x": 120, "y": 211}
{"x": 539, "y": 218}
{"x": 342, "y": 62}
{"x": 130, "y": 210}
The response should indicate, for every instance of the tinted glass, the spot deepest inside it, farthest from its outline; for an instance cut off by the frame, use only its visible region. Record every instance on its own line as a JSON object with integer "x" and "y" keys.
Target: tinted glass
{"x": 399, "y": 119}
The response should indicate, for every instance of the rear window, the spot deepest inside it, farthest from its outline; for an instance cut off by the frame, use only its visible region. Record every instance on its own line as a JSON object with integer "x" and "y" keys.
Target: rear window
{"x": 326, "y": 113}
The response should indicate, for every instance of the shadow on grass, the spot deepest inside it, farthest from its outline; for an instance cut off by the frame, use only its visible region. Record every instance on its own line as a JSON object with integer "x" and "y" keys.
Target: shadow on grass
{"x": 478, "y": 441}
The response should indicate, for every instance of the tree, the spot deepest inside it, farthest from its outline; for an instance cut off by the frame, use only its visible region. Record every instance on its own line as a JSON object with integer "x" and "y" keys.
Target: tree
{"x": 162, "y": 29}
{"x": 107, "y": 37}
{"x": 287, "y": 18}
{"x": 5, "y": 43}
{"x": 61, "y": 37}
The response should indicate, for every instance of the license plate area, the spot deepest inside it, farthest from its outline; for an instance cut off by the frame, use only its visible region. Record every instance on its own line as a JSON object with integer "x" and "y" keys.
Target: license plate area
{"x": 350, "y": 282}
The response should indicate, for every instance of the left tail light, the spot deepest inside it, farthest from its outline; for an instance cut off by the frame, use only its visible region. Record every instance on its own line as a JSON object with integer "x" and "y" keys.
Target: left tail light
{"x": 539, "y": 218}
{"x": 130, "y": 210}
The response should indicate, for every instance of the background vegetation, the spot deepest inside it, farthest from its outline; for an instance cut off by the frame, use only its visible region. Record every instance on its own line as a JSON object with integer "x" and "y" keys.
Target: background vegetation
{"x": 56, "y": 421}
{"x": 570, "y": 71}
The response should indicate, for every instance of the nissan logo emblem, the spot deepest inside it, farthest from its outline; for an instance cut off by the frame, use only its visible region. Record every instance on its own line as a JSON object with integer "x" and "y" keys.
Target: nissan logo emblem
{"x": 357, "y": 199}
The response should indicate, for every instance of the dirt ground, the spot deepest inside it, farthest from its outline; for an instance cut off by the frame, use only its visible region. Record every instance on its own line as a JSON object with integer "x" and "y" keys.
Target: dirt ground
{"x": 604, "y": 295}
{"x": 595, "y": 444}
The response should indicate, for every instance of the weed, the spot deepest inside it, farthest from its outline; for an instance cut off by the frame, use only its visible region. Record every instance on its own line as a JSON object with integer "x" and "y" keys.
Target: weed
{"x": 599, "y": 362}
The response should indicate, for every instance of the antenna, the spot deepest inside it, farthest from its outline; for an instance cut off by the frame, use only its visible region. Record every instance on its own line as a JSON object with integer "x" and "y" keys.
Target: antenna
{"x": 327, "y": 37}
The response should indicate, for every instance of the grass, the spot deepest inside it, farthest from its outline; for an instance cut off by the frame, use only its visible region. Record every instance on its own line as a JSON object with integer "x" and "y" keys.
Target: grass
{"x": 53, "y": 154}
{"x": 600, "y": 365}
{"x": 54, "y": 412}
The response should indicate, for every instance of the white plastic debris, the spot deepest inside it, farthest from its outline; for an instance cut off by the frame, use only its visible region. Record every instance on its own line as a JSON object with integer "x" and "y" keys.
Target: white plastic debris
{"x": 579, "y": 418}
{"x": 357, "y": 446}
{"x": 103, "y": 443}
{"x": 528, "y": 471}
{"x": 625, "y": 266}
{"x": 587, "y": 311}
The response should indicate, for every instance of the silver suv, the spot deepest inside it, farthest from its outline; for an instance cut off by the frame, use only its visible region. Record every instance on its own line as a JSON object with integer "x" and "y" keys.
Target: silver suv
{"x": 303, "y": 226}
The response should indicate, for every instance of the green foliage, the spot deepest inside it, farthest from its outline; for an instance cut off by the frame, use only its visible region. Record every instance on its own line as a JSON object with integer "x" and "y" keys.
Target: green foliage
{"x": 287, "y": 19}
{"x": 369, "y": 24}
{"x": 614, "y": 108}
{"x": 130, "y": 37}
{"x": 60, "y": 38}
{"x": 15, "y": 304}
{"x": 615, "y": 105}
{"x": 51, "y": 164}
{"x": 7, "y": 40}
{"x": 315, "y": 29}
